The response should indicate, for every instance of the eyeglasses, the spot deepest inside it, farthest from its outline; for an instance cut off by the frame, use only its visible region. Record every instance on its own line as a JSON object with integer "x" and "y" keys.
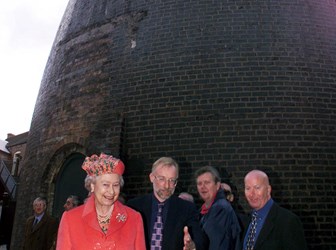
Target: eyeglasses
{"x": 162, "y": 179}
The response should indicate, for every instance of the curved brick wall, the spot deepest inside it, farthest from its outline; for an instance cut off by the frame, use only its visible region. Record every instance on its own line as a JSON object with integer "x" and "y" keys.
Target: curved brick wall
{"x": 234, "y": 84}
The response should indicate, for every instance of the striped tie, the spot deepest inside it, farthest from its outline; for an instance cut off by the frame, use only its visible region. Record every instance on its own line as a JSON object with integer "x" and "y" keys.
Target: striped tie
{"x": 252, "y": 233}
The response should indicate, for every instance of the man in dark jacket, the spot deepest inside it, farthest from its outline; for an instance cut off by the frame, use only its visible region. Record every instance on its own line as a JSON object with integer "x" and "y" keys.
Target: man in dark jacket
{"x": 41, "y": 228}
{"x": 181, "y": 228}
{"x": 274, "y": 227}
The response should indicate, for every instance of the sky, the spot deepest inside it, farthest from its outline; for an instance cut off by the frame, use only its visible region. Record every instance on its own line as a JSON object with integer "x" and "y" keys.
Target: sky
{"x": 27, "y": 31}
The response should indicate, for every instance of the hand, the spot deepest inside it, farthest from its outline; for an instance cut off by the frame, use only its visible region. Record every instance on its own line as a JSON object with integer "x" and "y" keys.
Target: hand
{"x": 188, "y": 242}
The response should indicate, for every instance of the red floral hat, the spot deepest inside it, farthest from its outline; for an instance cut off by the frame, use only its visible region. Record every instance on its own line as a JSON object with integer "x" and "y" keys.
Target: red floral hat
{"x": 103, "y": 164}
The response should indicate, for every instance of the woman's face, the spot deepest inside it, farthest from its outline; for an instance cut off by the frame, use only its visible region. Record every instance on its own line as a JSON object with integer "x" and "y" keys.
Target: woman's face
{"x": 106, "y": 189}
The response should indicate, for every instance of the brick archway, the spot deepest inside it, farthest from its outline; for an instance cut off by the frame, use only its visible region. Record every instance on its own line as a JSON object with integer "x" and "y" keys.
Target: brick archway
{"x": 63, "y": 176}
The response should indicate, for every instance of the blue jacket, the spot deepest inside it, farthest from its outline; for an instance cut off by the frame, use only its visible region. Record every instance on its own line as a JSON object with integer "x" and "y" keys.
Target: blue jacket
{"x": 221, "y": 225}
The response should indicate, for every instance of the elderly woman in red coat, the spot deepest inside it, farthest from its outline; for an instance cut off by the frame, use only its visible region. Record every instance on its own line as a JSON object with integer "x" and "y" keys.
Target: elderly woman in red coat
{"x": 102, "y": 222}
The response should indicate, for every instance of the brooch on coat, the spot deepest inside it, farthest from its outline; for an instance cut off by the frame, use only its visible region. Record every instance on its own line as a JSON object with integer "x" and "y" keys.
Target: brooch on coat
{"x": 121, "y": 217}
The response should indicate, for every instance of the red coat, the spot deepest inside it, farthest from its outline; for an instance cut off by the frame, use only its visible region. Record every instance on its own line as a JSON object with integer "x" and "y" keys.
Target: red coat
{"x": 79, "y": 229}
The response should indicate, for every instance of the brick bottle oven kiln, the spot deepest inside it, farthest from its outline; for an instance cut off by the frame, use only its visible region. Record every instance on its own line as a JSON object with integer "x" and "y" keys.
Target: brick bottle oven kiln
{"x": 233, "y": 84}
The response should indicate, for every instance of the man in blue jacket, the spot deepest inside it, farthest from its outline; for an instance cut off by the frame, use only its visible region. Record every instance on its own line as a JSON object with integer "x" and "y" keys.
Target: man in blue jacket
{"x": 218, "y": 219}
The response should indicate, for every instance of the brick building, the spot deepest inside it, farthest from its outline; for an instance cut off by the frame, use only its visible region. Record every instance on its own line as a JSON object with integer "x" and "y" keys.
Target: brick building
{"x": 12, "y": 151}
{"x": 234, "y": 84}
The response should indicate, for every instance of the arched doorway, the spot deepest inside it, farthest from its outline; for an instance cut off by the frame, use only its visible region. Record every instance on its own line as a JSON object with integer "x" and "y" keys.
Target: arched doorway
{"x": 69, "y": 181}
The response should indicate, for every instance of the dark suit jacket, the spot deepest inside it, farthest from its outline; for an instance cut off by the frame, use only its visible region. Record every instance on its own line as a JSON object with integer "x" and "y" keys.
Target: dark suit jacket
{"x": 282, "y": 230}
{"x": 42, "y": 235}
{"x": 180, "y": 213}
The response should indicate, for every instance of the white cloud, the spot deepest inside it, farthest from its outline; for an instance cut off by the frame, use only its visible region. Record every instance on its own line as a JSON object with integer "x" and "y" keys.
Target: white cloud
{"x": 27, "y": 32}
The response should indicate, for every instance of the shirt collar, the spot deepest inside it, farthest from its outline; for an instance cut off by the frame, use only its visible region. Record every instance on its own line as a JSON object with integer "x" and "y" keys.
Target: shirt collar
{"x": 39, "y": 217}
{"x": 156, "y": 201}
{"x": 262, "y": 213}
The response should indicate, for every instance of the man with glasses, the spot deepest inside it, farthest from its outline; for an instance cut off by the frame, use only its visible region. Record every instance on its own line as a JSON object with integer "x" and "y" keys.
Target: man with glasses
{"x": 170, "y": 222}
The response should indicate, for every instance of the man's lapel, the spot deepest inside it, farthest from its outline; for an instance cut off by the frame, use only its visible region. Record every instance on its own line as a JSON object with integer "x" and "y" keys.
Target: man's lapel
{"x": 267, "y": 227}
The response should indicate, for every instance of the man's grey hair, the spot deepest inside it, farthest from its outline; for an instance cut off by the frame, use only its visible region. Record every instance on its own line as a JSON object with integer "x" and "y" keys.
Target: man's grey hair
{"x": 165, "y": 161}
{"x": 209, "y": 169}
{"x": 75, "y": 200}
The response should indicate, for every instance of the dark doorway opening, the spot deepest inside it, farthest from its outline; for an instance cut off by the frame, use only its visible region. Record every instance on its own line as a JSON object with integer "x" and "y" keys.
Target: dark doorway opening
{"x": 70, "y": 181}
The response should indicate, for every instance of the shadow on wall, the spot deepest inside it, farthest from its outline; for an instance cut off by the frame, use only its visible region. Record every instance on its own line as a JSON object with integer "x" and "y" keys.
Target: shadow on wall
{"x": 138, "y": 176}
